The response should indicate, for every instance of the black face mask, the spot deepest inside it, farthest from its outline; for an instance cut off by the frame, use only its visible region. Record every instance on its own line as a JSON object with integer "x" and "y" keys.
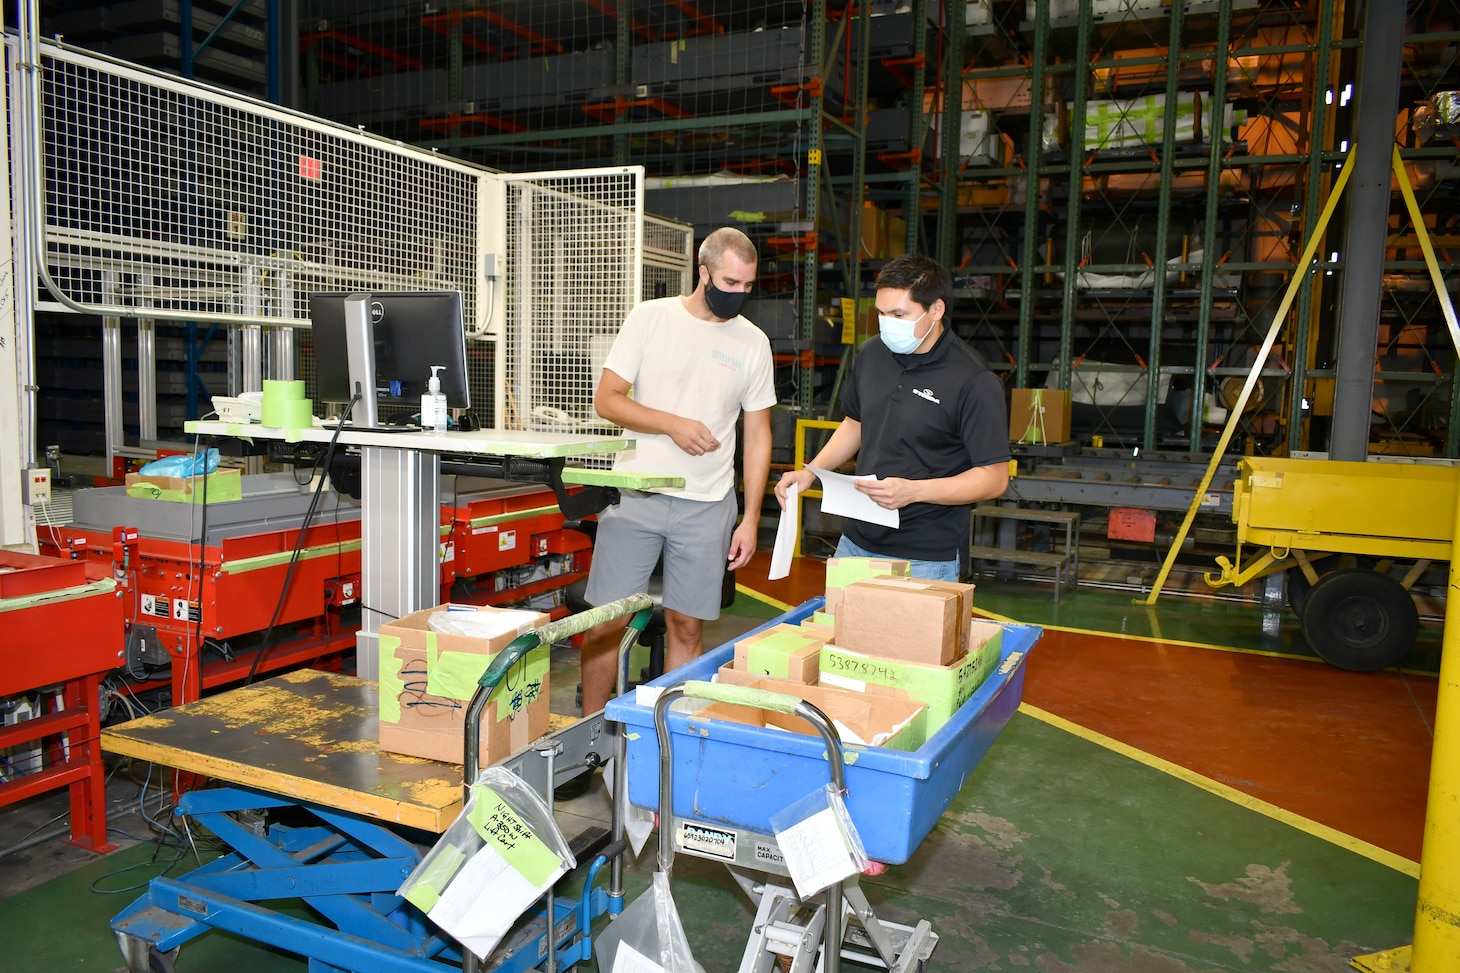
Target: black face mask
{"x": 724, "y": 304}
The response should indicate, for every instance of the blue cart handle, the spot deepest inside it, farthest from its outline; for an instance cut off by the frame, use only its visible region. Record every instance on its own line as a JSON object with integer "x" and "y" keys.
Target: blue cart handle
{"x": 741, "y": 696}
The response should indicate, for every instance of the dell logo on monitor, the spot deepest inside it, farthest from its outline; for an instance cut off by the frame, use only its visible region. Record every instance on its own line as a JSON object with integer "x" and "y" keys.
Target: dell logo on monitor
{"x": 377, "y": 311}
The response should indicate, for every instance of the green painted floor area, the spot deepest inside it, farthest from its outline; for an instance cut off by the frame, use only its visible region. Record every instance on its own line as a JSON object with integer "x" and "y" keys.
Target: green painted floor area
{"x": 1058, "y": 856}
{"x": 1062, "y": 857}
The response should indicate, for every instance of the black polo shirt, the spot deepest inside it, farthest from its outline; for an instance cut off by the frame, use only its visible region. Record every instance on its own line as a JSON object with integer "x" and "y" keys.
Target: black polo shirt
{"x": 924, "y": 417}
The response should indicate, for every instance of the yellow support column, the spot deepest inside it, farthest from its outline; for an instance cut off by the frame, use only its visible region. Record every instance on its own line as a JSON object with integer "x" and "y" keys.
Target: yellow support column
{"x": 1437, "y": 914}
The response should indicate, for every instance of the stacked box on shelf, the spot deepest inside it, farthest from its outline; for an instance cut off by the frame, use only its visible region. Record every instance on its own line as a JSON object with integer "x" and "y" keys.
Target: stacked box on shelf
{"x": 1117, "y": 10}
{"x": 1129, "y": 122}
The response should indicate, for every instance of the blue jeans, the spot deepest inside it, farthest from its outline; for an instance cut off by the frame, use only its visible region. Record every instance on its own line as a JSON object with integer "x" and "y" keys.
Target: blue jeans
{"x": 928, "y": 570}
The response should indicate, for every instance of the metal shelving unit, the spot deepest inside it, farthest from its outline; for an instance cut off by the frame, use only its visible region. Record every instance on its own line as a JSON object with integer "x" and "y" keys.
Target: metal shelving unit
{"x": 1056, "y": 230}
{"x": 1225, "y": 204}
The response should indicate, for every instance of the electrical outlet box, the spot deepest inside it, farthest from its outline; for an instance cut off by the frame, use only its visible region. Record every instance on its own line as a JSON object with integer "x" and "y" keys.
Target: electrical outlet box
{"x": 37, "y": 486}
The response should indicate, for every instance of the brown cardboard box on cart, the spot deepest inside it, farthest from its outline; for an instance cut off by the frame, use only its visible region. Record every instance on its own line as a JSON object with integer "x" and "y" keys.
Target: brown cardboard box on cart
{"x": 886, "y": 719}
{"x": 781, "y": 652}
{"x": 842, "y": 571}
{"x": 427, "y": 678}
{"x": 943, "y": 689}
{"x": 906, "y": 618}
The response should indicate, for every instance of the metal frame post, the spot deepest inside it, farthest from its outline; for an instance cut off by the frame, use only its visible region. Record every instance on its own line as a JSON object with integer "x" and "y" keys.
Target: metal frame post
{"x": 1163, "y": 220}
{"x": 1034, "y": 153}
{"x": 1365, "y": 239}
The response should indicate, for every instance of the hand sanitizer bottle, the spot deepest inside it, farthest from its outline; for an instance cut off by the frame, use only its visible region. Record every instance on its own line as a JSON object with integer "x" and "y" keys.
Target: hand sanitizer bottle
{"x": 433, "y": 403}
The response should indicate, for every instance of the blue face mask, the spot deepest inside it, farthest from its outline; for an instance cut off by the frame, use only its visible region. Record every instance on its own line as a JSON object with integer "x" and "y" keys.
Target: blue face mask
{"x": 899, "y": 335}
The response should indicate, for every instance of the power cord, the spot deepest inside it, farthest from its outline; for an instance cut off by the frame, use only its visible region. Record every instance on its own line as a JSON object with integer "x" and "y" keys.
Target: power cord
{"x": 329, "y": 453}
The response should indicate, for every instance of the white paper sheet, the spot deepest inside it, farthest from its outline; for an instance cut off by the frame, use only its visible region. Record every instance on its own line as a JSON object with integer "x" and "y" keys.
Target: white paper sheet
{"x": 786, "y": 534}
{"x": 816, "y": 853}
{"x": 627, "y": 959}
{"x": 840, "y": 496}
{"x": 483, "y": 900}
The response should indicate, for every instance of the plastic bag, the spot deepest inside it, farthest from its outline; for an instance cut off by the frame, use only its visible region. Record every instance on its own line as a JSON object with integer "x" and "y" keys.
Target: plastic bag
{"x": 498, "y": 858}
{"x": 818, "y": 841}
{"x": 647, "y": 937}
{"x": 202, "y": 462}
{"x": 468, "y": 620}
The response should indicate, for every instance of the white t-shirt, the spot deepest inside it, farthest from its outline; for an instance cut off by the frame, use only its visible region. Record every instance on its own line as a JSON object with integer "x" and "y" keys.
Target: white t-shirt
{"x": 705, "y": 370}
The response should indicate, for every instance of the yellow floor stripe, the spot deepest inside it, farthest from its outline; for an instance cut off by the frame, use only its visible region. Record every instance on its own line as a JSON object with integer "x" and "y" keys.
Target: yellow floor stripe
{"x": 766, "y": 599}
{"x": 1306, "y": 825}
{"x": 1129, "y": 637}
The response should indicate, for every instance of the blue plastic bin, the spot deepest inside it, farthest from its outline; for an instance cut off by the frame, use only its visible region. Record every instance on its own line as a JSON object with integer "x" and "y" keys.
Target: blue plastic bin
{"x": 740, "y": 776}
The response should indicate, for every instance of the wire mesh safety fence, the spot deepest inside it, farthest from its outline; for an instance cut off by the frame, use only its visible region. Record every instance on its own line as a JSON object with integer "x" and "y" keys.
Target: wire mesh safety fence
{"x": 573, "y": 260}
{"x": 168, "y": 199}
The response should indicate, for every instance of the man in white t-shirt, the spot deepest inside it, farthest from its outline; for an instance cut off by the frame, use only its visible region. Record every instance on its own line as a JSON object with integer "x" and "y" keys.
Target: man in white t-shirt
{"x": 680, "y": 373}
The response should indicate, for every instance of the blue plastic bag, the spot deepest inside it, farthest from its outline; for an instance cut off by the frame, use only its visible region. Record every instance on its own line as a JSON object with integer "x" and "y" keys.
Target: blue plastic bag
{"x": 183, "y": 466}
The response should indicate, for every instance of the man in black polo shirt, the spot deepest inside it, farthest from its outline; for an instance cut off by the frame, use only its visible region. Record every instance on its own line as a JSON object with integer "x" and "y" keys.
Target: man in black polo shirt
{"x": 927, "y": 417}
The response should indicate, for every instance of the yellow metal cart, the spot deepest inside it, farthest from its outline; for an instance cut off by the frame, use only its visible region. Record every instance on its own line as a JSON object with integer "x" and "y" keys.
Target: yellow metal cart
{"x": 1390, "y": 520}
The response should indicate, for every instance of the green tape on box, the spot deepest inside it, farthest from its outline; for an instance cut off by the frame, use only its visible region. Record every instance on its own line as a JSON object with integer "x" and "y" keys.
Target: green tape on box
{"x": 455, "y": 676}
{"x": 771, "y": 653}
{"x": 943, "y": 689}
{"x": 514, "y": 695}
{"x": 428, "y": 888}
{"x": 517, "y": 843}
{"x": 391, "y": 683}
{"x": 822, "y": 618}
{"x": 849, "y": 569}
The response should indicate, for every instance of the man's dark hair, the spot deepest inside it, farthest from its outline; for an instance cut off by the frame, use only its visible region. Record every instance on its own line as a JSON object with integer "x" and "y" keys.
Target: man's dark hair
{"x": 922, "y": 277}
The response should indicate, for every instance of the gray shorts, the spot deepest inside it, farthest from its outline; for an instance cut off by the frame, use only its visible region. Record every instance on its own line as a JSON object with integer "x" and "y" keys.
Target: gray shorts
{"x": 693, "y": 536}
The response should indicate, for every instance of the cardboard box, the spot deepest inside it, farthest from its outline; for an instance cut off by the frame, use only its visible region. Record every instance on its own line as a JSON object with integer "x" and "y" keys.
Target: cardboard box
{"x": 223, "y": 485}
{"x": 943, "y": 689}
{"x": 427, "y": 678}
{"x": 868, "y": 719}
{"x": 842, "y": 571}
{"x": 908, "y": 619}
{"x": 1039, "y": 416}
{"x": 823, "y": 632}
{"x": 782, "y": 652}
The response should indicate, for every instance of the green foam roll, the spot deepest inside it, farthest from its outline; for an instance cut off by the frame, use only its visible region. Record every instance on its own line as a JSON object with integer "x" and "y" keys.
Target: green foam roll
{"x": 288, "y": 414}
{"x": 283, "y": 390}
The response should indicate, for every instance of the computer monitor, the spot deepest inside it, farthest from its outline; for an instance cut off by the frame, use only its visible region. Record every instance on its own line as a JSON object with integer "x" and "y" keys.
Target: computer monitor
{"x": 410, "y": 332}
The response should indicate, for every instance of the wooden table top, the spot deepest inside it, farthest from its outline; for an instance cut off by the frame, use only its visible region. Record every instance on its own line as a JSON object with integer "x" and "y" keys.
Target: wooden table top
{"x": 308, "y": 735}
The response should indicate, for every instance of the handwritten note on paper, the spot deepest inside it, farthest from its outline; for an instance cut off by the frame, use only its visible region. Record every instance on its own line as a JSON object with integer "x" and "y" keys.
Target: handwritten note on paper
{"x": 816, "y": 853}
{"x": 519, "y": 846}
{"x": 840, "y": 496}
{"x": 786, "y": 533}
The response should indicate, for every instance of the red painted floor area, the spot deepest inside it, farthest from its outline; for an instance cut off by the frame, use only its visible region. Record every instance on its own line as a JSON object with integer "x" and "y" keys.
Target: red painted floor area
{"x": 1348, "y": 750}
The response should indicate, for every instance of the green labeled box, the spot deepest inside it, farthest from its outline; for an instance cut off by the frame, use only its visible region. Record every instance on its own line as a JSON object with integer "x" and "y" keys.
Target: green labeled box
{"x": 842, "y": 571}
{"x": 781, "y": 652}
{"x": 428, "y": 677}
{"x": 943, "y": 689}
{"x": 222, "y": 486}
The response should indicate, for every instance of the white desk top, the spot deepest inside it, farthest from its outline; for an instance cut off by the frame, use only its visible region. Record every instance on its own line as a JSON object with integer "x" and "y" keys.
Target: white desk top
{"x": 479, "y": 442}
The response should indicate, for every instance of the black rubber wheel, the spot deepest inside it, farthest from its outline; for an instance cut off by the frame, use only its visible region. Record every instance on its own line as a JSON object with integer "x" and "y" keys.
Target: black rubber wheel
{"x": 1298, "y": 588}
{"x": 1360, "y": 620}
